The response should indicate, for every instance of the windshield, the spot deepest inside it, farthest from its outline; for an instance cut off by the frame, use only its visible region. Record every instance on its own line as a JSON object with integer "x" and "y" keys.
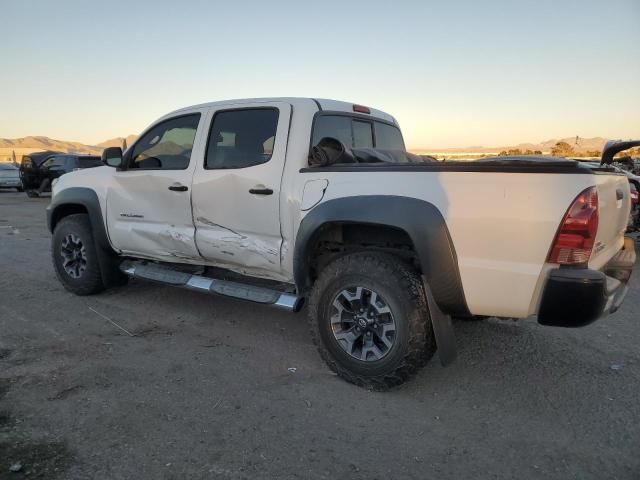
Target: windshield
{"x": 7, "y": 166}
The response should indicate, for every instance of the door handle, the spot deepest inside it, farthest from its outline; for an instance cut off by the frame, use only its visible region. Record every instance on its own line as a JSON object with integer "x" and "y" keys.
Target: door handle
{"x": 261, "y": 191}
{"x": 178, "y": 188}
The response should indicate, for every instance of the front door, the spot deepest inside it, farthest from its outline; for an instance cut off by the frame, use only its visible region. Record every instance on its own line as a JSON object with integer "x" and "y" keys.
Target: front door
{"x": 236, "y": 190}
{"x": 149, "y": 203}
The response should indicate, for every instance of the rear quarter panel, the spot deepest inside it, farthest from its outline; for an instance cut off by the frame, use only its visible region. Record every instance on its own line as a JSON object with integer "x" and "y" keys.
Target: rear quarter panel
{"x": 501, "y": 224}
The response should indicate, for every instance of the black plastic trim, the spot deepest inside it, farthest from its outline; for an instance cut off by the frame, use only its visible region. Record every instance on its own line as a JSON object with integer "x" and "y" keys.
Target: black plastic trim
{"x": 447, "y": 167}
{"x": 423, "y": 223}
{"x": 573, "y": 297}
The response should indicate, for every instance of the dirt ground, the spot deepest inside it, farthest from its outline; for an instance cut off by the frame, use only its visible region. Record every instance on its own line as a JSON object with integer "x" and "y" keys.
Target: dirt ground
{"x": 204, "y": 390}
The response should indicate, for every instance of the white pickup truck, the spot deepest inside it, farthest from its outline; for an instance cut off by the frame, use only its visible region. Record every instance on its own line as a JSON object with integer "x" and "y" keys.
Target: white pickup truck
{"x": 280, "y": 200}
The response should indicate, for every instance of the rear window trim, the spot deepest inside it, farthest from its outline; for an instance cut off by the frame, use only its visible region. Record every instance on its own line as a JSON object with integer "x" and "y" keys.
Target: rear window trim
{"x": 355, "y": 116}
{"x": 238, "y": 109}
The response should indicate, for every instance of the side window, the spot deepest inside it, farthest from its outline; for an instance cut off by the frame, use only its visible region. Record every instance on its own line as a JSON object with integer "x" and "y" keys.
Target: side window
{"x": 241, "y": 138}
{"x": 362, "y": 135}
{"x": 167, "y": 146}
{"x": 55, "y": 162}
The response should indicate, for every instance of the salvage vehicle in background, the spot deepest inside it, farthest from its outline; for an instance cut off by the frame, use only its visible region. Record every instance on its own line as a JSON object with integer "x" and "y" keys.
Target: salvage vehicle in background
{"x": 10, "y": 177}
{"x": 30, "y": 165}
{"x": 37, "y": 178}
{"x": 634, "y": 188}
{"x": 278, "y": 201}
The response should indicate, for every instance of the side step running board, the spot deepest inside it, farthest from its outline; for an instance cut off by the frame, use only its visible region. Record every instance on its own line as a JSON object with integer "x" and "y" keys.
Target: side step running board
{"x": 166, "y": 275}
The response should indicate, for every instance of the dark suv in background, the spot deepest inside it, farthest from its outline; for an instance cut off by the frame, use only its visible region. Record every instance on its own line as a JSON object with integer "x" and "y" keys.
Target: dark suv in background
{"x": 37, "y": 171}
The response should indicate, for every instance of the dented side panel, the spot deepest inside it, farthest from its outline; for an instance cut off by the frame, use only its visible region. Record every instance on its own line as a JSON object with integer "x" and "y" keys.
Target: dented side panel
{"x": 147, "y": 219}
{"x": 235, "y": 228}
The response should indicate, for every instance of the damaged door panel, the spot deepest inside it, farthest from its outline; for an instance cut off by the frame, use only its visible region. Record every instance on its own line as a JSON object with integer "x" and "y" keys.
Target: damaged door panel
{"x": 149, "y": 201}
{"x": 236, "y": 190}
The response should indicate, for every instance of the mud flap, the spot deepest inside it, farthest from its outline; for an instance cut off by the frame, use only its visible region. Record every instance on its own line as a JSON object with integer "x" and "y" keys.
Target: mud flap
{"x": 442, "y": 329}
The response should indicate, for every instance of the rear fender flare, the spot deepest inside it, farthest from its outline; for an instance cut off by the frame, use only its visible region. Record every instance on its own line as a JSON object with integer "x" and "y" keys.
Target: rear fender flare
{"x": 421, "y": 220}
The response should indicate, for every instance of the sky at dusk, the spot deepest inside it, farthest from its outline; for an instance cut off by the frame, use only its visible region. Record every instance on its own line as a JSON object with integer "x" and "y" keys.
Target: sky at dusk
{"x": 454, "y": 73}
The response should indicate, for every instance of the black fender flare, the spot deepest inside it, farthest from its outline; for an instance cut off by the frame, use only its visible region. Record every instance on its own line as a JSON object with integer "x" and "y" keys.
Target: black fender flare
{"x": 88, "y": 198}
{"x": 421, "y": 220}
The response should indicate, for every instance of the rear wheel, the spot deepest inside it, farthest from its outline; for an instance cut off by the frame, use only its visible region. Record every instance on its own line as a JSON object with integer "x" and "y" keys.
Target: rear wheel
{"x": 74, "y": 256}
{"x": 370, "y": 321}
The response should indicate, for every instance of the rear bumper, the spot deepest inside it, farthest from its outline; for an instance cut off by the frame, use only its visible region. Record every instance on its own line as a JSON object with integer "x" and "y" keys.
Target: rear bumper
{"x": 574, "y": 297}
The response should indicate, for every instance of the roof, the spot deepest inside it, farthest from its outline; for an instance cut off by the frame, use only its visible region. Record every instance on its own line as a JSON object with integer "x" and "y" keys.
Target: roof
{"x": 300, "y": 102}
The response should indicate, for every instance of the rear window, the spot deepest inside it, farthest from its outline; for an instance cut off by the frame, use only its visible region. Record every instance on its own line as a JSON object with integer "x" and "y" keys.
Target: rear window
{"x": 357, "y": 133}
{"x": 89, "y": 162}
{"x": 7, "y": 166}
{"x": 389, "y": 136}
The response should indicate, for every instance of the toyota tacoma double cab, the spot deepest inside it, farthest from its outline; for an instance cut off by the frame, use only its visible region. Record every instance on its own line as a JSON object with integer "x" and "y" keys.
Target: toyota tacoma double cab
{"x": 282, "y": 200}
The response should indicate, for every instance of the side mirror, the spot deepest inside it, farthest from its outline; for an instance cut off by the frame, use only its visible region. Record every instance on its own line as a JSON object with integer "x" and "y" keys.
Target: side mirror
{"x": 112, "y": 156}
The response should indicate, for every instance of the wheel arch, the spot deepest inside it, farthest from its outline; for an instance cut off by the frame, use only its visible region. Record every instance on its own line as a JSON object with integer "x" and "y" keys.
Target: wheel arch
{"x": 419, "y": 220}
{"x": 79, "y": 200}
{"x": 84, "y": 200}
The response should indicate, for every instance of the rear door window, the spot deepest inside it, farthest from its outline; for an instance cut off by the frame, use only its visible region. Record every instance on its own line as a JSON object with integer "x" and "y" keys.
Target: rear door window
{"x": 241, "y": 138}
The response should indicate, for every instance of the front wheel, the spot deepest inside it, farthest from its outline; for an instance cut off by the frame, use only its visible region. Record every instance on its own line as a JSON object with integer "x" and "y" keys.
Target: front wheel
{"x": 370, "y": 321}
{"x": 75, "y": 257}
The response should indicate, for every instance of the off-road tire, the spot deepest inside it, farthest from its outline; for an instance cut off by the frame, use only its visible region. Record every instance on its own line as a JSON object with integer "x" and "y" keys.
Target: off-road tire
{"x": 90, "y": 280}
{"x": 401, "y": 287}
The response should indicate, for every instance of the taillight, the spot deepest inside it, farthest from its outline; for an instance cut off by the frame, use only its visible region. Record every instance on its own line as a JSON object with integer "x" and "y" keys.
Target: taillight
{"x": 576, "y": 236}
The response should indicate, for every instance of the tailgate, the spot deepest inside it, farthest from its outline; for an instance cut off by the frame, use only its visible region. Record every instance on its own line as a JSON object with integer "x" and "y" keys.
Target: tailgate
{"x": 614, "y": 204}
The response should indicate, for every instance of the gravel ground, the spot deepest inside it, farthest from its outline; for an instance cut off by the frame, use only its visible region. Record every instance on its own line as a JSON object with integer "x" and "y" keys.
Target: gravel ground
{"x": 203, "y": 389}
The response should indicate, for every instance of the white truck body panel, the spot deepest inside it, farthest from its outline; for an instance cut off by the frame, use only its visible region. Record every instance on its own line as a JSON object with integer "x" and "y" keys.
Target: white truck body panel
{"x": 502, "y": 225}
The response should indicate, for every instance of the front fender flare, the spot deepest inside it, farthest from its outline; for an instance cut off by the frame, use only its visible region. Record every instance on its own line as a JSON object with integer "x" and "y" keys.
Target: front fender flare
{"x": 87, "y": 198}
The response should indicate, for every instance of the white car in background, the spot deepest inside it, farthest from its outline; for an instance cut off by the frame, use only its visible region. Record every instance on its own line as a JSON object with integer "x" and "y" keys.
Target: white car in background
{"x": 10, "y": 177}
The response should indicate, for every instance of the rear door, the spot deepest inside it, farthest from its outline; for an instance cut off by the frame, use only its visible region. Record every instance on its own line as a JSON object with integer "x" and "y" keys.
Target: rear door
{"x": 149, "y": 203}
{"x": 236, "y": 190}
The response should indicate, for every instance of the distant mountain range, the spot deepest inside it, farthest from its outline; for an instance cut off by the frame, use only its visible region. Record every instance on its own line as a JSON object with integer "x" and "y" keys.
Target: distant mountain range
{"x": 580, "y": 145}
{"x": 46, "y": 143}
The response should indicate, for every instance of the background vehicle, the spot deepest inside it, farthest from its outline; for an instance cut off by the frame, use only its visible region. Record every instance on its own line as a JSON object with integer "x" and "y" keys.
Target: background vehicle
{"x": 278, "y": 201}
{"x": 634, "y": 188}
{"x": 29, "y": 167}
{"x": 38, "y": 177}
{"x": 10, "y": 177}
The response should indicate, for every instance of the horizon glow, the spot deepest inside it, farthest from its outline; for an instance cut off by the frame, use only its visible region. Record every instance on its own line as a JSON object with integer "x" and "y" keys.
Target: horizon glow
{"x": 454, "y": 75}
